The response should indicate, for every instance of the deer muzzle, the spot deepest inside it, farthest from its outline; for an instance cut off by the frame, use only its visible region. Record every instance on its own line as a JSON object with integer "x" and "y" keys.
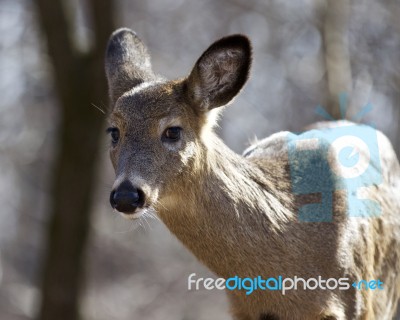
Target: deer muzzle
{"x": 126, "y": 198}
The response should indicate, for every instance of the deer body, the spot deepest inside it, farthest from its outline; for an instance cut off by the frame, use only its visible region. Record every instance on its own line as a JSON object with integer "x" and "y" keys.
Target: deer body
{"x": 238, "y": 214}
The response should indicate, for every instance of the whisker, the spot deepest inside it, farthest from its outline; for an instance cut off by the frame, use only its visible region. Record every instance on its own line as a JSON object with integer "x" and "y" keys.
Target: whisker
{"x": 98, "y": 108}
{"x": 159, "y": 203}
{"x": 133, "y": 227}
{"x": 145, "y": 216}
{"x": 140, "y": 221}
{"x": 153, "y": 215}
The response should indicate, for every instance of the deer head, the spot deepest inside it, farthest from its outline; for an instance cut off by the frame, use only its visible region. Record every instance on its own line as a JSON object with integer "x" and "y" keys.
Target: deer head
{"x": 158, "y": 127}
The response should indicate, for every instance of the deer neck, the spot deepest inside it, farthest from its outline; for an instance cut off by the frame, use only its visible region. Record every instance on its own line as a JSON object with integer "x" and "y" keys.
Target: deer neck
{"x": 226, "y": 207}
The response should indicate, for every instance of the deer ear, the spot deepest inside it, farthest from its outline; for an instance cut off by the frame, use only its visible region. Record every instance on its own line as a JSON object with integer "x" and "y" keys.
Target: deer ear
{"x": 220, "y": 72}
{"x": 127, "y": 63}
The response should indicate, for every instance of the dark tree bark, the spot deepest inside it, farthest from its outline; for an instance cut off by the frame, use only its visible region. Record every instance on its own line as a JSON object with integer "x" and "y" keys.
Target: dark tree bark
{"x": 79, "y": 81}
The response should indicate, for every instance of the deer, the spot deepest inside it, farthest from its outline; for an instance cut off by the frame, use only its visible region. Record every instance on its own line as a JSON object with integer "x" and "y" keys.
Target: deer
{"x": 239, "y": 214}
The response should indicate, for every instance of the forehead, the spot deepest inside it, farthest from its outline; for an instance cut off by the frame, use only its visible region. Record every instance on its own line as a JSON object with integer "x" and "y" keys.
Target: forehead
{"x": 150, "y": 100}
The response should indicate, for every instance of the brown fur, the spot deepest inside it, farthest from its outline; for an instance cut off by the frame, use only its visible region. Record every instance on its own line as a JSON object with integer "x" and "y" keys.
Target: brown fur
{"x": 237, "y": 214}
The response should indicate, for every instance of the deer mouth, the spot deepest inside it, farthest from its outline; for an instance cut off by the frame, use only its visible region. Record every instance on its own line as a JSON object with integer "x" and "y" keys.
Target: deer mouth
{"x": 134, "y": 215}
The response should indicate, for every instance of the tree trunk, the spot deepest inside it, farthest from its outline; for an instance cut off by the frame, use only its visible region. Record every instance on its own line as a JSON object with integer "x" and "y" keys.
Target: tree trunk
{"x": 337, "y": 54}
{"x": 80, "y": 81}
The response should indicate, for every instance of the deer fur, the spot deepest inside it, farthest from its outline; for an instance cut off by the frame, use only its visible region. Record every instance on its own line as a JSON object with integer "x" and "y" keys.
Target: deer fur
{"x": 238, "y": 214}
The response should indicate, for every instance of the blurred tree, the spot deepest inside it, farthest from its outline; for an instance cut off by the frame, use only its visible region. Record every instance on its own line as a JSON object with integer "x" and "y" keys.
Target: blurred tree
{"x": 337, "y": 55}
{"x": 79, "y": 82}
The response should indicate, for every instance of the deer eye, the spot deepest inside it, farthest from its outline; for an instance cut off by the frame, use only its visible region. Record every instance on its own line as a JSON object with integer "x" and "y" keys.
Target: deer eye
{"x": 114, "y": 132}
{"x": 172, "y": 134}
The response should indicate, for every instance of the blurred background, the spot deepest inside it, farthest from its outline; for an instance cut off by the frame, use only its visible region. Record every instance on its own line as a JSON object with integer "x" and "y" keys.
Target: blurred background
{"x": 63, "y": 253}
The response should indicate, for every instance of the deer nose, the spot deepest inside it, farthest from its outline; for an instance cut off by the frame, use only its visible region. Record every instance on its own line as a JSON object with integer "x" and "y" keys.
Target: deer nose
{"x": 126, "y": 198}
